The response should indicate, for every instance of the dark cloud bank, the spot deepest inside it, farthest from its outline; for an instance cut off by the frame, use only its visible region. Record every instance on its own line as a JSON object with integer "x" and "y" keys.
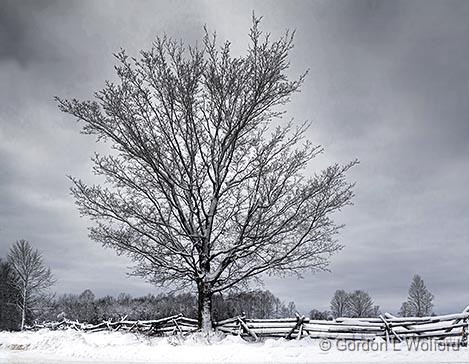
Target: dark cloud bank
{"x": 388, "y": 84}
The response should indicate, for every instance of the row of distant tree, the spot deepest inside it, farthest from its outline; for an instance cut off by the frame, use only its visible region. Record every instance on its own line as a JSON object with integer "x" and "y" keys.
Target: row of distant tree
{"x": 359, "y": 303}
{"x": 86, "y": 307}
{"x": 24, "y": 280}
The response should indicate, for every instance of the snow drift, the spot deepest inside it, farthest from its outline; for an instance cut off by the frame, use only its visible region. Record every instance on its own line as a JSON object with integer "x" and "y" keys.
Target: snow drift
{"x": 69, "y": 345}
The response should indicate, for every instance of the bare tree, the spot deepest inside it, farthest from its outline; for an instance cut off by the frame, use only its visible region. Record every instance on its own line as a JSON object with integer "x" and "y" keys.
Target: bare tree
{"x": 360, "y": 304}
{"x": 202, "y": 189}
{"x": 420, "y": 300}
{"x": 31, "y": 276}
{"x": 315, "y": 314}
{"x": 340, "y": 303}
{"x": 405, "y": 310}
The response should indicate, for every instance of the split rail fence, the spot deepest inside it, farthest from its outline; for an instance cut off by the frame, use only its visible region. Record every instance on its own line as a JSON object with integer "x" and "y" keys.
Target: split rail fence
{"x": 386, "y": 326}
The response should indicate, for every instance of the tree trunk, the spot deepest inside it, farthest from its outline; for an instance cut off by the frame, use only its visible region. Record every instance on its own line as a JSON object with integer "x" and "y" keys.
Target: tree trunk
{"x": 23, "y": 318}
{"x": 204, "y": 307}
{"x": 23, "y": 310}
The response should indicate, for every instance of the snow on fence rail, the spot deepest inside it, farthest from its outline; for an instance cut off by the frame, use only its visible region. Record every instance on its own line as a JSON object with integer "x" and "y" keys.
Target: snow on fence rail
{"x": 386, "y": 326}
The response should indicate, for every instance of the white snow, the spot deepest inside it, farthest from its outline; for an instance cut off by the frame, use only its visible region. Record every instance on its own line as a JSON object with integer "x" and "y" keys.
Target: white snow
{"x": 46, "y": 346}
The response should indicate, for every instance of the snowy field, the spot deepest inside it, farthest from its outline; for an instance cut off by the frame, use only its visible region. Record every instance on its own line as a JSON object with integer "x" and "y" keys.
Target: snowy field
{"x": 113, "y": 347}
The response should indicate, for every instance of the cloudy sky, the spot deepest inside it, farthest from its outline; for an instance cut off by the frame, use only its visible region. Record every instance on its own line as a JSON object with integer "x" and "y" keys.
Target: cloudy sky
{"x": 388, "y": 84}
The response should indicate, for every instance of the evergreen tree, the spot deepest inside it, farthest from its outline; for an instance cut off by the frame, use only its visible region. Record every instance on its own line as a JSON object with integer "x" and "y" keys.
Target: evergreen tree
{"x": 10, "y": 315}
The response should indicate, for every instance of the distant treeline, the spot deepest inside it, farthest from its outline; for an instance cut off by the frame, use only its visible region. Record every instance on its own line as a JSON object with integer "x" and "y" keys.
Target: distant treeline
{"x": 85, "y": 307}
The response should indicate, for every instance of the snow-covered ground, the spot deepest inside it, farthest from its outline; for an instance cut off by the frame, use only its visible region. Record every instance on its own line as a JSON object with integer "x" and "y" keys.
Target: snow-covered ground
{"x": 105, "y": 347}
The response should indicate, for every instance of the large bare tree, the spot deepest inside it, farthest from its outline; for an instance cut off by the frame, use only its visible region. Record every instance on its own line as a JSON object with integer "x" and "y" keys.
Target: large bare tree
{"x": 202, "y": 189}
{"x": 31, "y": 277}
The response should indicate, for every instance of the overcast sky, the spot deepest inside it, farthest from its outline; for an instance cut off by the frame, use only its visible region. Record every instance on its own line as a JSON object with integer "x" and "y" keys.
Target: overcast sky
{"x": 388, "y": 84}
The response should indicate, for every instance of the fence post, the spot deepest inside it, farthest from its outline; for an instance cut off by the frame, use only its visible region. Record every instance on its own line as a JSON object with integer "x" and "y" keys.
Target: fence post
{"x": 177, "y": 328}
{"x": 300, "y": 330}
{"x": 247, "y": 329}
{"x": 389, "y": 330}
{"x": 298, "y": 325}
{"x": 464, "y": 333}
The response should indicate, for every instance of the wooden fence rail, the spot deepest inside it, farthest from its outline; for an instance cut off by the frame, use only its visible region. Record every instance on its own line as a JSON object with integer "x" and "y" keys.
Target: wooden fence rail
{"x": 386, "y": 326}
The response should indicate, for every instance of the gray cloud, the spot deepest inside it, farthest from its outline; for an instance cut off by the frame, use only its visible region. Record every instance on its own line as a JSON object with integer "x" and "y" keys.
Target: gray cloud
{"x": 18, "y": 39}
{"x": 388, "y": 84}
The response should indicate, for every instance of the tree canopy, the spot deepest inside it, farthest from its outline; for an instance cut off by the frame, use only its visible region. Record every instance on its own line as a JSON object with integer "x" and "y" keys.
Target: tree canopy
{"x": 205, "y": 185}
